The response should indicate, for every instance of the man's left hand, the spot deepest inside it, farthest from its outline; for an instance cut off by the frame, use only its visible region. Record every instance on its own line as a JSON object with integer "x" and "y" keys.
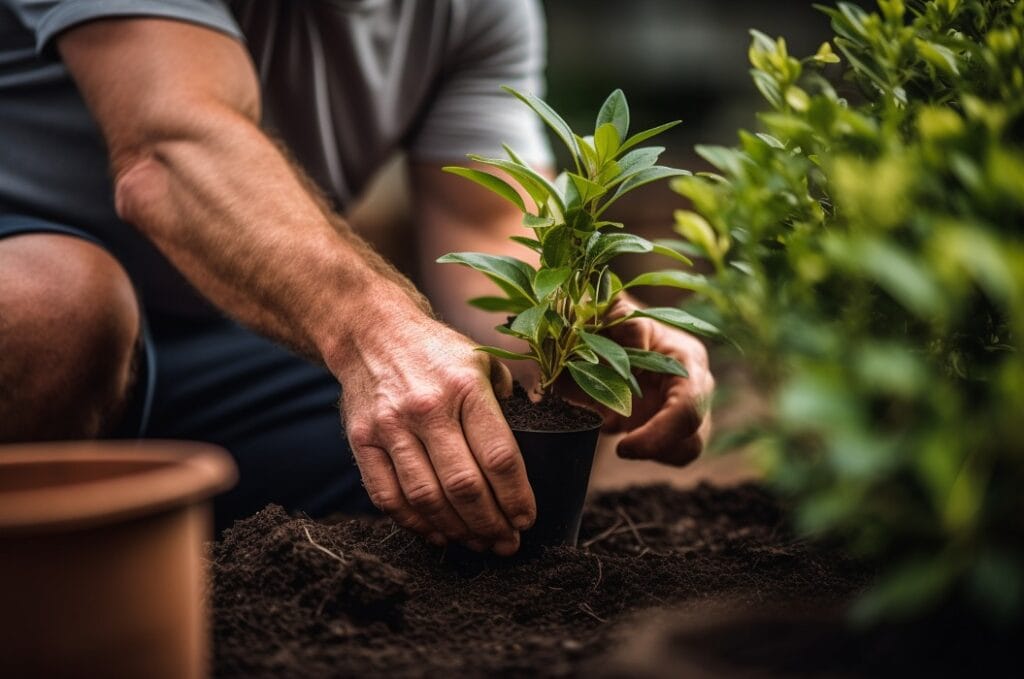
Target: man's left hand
{"x": 671, "y": 422}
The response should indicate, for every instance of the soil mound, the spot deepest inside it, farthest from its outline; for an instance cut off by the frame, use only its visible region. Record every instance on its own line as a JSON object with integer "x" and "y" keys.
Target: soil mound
{"x": 297, "y": 598}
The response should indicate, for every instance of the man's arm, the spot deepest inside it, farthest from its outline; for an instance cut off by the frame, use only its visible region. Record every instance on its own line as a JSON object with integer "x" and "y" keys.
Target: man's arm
{"x": 671, "y": 423}
{"x": 178, "y": 106}
{"x": 454, "y": 215}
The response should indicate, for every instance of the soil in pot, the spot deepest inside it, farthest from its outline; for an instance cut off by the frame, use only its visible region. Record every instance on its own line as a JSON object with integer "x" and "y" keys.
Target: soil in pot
{"x": 297, "y": 598}
{"x": 557, "y": 440}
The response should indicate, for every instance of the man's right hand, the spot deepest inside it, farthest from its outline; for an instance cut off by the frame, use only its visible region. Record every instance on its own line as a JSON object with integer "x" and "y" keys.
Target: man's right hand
{"x": 434, "y": 450}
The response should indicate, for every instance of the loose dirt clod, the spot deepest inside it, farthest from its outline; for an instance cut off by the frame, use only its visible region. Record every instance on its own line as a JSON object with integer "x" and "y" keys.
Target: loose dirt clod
{"x": 296, "y": 598}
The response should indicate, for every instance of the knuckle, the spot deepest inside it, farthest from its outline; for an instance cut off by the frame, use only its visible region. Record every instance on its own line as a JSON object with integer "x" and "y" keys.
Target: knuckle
{"x": 422, "y": 405}
{"x": 360, "y": 433}
{"x": 502, "y": 460}
{"x": 464, "y": 486}
{"x": 426, "y": 498}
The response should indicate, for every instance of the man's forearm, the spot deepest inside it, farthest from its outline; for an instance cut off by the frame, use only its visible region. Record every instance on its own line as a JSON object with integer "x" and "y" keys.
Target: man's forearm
{"x": 237, "y": 219}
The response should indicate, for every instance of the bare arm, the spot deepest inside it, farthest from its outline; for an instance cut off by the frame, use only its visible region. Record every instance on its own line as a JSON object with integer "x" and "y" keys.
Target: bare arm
{"x": 455, "y": 215}
{"x": 178, "y": 106}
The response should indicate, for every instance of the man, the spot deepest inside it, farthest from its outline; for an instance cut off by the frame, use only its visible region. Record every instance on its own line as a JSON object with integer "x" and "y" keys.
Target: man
{"x": 135, "y": 173}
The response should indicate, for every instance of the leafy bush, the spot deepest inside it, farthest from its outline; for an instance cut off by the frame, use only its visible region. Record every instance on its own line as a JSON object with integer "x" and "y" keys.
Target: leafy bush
{"x": 869, "y": 256}
{"x": 560, "y": 307}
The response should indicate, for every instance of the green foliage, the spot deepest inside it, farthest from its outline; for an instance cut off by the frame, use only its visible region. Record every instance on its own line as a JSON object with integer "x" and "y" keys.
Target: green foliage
{"x": 869, "y": 254}
{"x": 560, "y": 307}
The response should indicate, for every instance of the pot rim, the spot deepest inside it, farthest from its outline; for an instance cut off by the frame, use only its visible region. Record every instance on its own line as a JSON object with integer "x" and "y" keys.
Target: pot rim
{"x": 172, "y": 474}
{"x": 580, "y": 430}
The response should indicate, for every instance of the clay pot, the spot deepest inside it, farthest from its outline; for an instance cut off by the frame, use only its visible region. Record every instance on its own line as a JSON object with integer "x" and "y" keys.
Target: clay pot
{"x": 101, "y": 563}
{"x": 558, "y": 465}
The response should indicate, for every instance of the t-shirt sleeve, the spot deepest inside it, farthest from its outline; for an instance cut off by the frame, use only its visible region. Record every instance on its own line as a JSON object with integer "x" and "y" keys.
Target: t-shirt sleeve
{"x": 47, "y": 19}
{"x": 495, "y": 43}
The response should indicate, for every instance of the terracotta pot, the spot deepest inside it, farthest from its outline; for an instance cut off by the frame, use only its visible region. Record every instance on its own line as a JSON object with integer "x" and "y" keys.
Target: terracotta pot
{"x": 101, "y": 564}
{"x": 558, "y": 465}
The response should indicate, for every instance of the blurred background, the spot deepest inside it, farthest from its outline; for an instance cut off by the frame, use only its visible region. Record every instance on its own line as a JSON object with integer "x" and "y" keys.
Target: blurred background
{"x": 674, "y": 59}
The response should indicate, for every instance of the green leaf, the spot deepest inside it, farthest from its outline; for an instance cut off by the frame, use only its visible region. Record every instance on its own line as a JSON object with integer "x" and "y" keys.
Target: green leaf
{"x": 638, "y": 159}
{"x": 530, "y": 323}
{"x": 590, "y": 157}
{"x": 489, "y": 181}
{"x": 603, "y": 385}
{"x": 585, "y": 353}
{"x": 679, "y": 319}
{"x": 587, "y": 189}
{"x": 641, "y": 137}
{"x": 498, "y": 304}
{"x": 535, "y": 222}
{"x": 558, "y": 246}
{"x": 614, "y": 110}
{"x": 646, "y": 176}
{"x": 535, "y": 184}
{"x": 550, "y": 117}
{"x": 725, "y": 159}
{"x": 607, "y": 141}
{"x": 531, "y": 243}
{"x": 660, "y": 249}
{"x": 670, "y": 279}
{"x": 655, "y": 362}
{"x": 604, "y": 246}
{"x": 548, "y": 280}
{"x": 504, "y": 353}
{"x": 768, "y": 88}
{"x": 517, "y": 275}
{"x": 609, "y": 350}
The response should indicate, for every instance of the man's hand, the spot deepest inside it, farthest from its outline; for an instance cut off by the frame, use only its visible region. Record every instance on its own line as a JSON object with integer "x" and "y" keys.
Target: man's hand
{"x": 671, "y": 423}
{"x": 434, "y": 449}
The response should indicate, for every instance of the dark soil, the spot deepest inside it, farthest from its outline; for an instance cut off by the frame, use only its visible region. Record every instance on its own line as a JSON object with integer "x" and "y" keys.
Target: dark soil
{"x": 297, "y": 598}
{"x": 551, "y": 414}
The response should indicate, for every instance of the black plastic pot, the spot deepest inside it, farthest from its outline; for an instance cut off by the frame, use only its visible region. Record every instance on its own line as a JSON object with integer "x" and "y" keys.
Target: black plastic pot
{"x": 558, "y": 465}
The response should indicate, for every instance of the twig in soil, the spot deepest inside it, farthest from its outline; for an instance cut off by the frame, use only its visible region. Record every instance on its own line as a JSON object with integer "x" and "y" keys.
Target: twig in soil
{"x": 600, "y": 573}
{"x": 602, "y": 535}
{"x": 339, "y": 557}
{"x": 632, "y": 526}
{"x": 391, "y": 534}
{"x": 585, "y": 607}
{"x": 407, "y": 546}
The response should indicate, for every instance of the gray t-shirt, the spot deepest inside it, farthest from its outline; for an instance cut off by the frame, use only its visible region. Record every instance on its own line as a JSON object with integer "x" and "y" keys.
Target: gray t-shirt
{"x": 346, "y": 84}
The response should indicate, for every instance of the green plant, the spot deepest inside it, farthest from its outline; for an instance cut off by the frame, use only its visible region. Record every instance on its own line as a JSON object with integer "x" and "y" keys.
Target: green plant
{"x": 560, "y": 306}
{"x": 869, "y": 250}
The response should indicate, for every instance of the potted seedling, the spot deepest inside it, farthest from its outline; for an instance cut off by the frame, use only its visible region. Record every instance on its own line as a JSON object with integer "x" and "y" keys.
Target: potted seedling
{"x": 559, "y": 308}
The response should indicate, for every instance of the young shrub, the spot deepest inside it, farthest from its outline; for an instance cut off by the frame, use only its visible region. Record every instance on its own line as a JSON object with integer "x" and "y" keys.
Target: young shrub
{"x": 869, "y": 249}
{"x": 560, "y": 307}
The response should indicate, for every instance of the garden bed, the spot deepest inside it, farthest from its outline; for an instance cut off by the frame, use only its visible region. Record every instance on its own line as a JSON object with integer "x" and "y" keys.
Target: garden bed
{"x": 295, "y": 597}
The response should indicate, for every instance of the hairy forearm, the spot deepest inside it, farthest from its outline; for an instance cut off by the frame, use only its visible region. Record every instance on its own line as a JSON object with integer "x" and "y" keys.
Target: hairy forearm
{"x": 238, "y": 220}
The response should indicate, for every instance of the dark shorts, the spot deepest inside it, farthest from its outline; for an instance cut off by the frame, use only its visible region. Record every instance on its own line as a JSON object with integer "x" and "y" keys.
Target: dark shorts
{"x": 215, "y": 381}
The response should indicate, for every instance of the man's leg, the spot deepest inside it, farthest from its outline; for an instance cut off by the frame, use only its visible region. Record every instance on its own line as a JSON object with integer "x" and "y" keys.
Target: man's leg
{"x": 276, "y": 413}
{"x": 69, "y": 323}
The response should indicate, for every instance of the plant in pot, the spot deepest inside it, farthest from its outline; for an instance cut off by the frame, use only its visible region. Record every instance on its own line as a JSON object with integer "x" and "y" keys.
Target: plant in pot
{"x": 559, "y": 307}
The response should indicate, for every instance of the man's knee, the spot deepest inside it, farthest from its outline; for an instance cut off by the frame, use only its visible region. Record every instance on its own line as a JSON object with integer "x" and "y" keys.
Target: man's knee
{"x": 69, "y": 323}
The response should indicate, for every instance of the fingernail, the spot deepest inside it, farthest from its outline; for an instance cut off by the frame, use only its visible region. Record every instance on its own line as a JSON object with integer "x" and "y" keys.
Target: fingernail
{"x": 507, "y": 547}
{"x": 522, "y": 522}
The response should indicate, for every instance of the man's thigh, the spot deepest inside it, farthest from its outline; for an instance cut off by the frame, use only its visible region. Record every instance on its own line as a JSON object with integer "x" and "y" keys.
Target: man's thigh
{"x": 69, "y": 323}
{"x": 212, "y": 380}
{"x": 276, "y": 412}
